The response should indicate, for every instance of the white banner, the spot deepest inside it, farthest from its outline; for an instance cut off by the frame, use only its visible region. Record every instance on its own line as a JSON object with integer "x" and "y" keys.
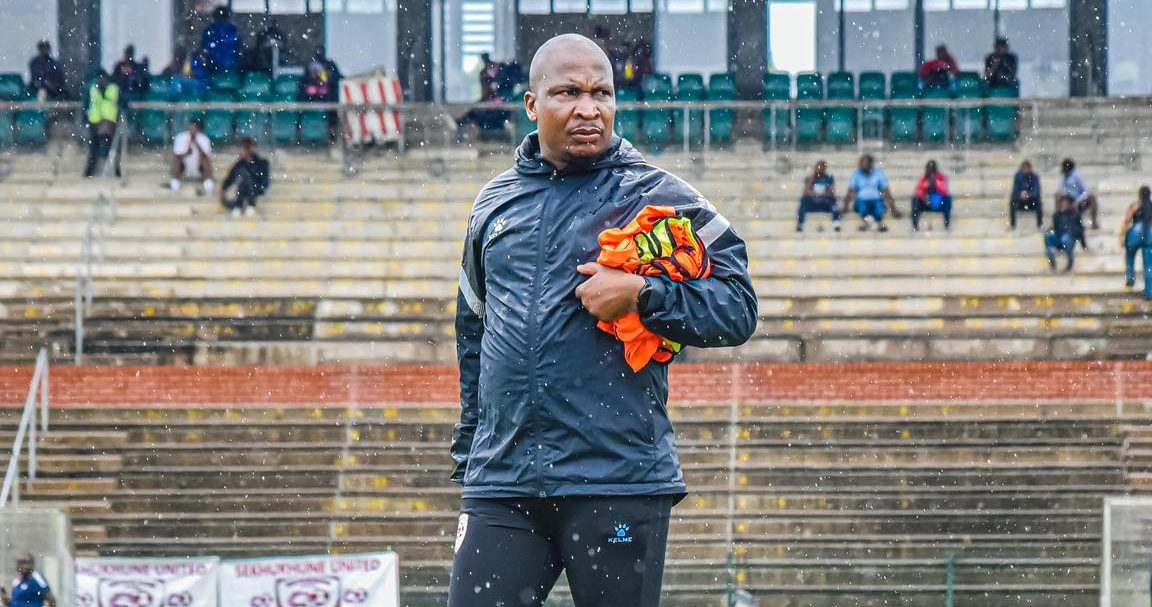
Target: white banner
{"x": 356, "y": 580}
{"x": 147, "y": 582}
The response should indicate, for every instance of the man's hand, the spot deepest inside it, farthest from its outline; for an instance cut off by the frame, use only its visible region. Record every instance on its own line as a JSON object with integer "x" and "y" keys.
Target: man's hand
{"x": 609, "y": 293}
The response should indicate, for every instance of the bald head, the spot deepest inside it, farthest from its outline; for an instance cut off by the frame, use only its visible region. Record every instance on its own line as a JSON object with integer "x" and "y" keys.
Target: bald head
{"x": 561, "y": 53}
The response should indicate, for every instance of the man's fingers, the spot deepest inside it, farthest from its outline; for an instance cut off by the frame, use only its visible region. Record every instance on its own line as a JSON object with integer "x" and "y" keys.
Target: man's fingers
{"x": 589, "y": 269}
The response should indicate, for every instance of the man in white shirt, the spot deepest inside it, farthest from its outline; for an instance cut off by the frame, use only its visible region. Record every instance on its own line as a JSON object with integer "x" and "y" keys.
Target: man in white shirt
{"x": 192, "y": 157}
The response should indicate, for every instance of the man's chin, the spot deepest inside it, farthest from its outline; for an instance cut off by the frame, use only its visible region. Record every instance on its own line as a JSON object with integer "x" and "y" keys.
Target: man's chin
{"x": 587, "y": 149}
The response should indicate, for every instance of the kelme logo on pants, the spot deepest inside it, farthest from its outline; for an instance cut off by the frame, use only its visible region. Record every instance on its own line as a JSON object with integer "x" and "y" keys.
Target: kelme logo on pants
{"x": 621, "y": 536}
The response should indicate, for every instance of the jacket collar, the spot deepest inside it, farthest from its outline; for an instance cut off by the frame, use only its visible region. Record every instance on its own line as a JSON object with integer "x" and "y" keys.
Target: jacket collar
{"x": 619, "y": 153}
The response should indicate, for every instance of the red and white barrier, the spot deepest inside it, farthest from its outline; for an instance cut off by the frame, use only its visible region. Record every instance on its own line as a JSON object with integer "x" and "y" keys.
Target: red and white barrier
{"x": 368, "y": 126}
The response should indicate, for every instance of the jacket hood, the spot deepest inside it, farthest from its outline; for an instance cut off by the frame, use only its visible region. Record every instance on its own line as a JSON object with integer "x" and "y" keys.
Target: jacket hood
{"x": 620, "y": 153}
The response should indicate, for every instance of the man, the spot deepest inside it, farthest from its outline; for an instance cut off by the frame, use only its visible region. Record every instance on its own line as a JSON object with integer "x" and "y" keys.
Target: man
{"x": 321, "y": 78}
{"x": 29, "y": 589}
{"x": 1025, "y": 195}
{"x": 940, "y": 71}
{"x": 250, "y": 176}
{"x": 1000, "y": 66}
{"x": 1075, "y": 187}
{"x": 819, "y": 196}
{"x": 131, "y": 76}
{"x": 103, "y": 114}
{"x": 932, "y": 194}
{"x": 1067, "y": 230}
{"x": 566, "y": 455}
{"x": 46, "y": 77}
{"x": 187, "y": 75}
{"x": 192, "y": 157}
{"x": 221, "y": 41}
{"x": 869, "y": 189}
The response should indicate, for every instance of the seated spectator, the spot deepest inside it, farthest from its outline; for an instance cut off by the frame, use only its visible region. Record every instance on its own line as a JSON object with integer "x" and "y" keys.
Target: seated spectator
{"x": 1066, "y": 231}
{"x": 103, "y": 115}
{"x": 869, "y": 189}
{"x": 1135, "y": 235}
{"x": 1000, "y": 66}
{"x": 131, "y": 76}
{"x": 932, "y": 195}
{"x": 1025, "y": 195}
{"x": 250, "y": 176}
{"x": 221, "y": 42}
{"x": 192, "y": 158}
{"x": 188, "y": 76}
{"x": 488, "y": 120}
{"x": 46, "y": 78}
{"x": 321, "y": 79}
{"x": 939, "y": 72}
{"x": 1073, "y": 185}
{"x": 819, "y": 196}
{"x": 638, "y": 65}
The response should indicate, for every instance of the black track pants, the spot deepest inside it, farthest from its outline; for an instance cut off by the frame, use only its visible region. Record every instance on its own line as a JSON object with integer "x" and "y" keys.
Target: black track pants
{"x": 509, "y": 552}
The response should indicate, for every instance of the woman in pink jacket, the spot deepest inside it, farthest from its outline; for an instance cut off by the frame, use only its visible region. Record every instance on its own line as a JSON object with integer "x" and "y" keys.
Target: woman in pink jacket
{"x": 932, "y": 195}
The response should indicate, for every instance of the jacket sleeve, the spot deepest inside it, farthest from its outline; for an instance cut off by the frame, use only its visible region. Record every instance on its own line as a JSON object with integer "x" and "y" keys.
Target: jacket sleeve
{"x": 714, "y": 312}
{"x": 469, "y": 333}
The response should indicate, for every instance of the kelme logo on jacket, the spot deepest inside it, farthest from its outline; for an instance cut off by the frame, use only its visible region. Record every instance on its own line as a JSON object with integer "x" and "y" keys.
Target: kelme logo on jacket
{"x": 621, "y": 536}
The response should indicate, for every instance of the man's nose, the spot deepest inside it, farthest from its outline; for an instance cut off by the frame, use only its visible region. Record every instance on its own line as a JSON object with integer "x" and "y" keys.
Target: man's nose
{"x": 587, "y": 108}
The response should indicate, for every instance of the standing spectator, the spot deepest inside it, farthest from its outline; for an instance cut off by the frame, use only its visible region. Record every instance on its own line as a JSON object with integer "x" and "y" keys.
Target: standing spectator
{"x": 46, "y": 77}
{"x": 939, "y": 72}
{"x": 1025, "y": 195}
{"x": 1067, "y": 230}
{"x": 870, "y": 190}
{"x": 261, "y": 57}
{"x": 1073, "y": 185}
{"x": 321, "y": 78}
{"x": 1134, "y": 237}
{"x": 639, "y": 64}
{"x": 187, "y": 74}
{"x": 250, "y": 175}
{"x": 1000, "y": 66}
{"x": 221, "y": 42}
{"x": 131, "y": 76}
{"x": 819, "y": 196}
{"x": 932, "y": 195}
{"x": 192, "y": 157}
{"x": 103, "y": 114}
{"x": 29, "y": 589}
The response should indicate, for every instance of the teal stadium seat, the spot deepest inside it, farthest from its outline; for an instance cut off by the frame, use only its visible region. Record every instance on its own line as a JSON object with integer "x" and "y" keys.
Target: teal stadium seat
{"x": 904, "y": 122}
{"x": 934, "y": 119}
{"x": 286, "y": 84}
{"x": 690, "y": 87}
{"x": 777, "y": 120}
{"x": 873, "y": 87}
{"x": 227, "y": 82}
{"x": 11, "y": 89}
{"x": 659, "y": 124}
{"x": 314, "y": 127}
{"x": 840, "y": 122}
{"x": 1002, "y": 119}
{"x": 31, "y": 126}
{"x": 217, "y": 123}
{"x": 257, "y": 88}
{"x": 285, "y": 124}
{"x": 809, "y": 121}
{"x": 722, "y": 123}
{"x": 524, "y": 126}
{"x": 969, "y": 122}
{"x": 628, "y": 121}
{"x": 152, "y": 125}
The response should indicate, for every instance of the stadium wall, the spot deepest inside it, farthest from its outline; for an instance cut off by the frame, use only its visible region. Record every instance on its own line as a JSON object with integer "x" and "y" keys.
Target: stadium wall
{"x": 1076, "y": 382}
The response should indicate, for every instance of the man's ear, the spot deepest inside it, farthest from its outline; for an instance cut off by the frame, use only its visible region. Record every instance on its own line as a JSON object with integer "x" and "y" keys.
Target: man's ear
{"x": 530, "y": 105}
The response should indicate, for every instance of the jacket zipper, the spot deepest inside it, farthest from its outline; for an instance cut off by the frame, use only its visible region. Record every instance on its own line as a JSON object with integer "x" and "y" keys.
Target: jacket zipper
{"x": 534, "y": 332}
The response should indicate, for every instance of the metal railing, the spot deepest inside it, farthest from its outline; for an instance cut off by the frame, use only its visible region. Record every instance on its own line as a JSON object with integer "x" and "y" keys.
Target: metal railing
{"x": 37, "y": 395}
{"x": 92, "y": 251}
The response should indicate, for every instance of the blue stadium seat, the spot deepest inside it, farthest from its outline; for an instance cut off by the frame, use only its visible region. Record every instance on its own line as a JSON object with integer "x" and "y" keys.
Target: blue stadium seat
{"x": 809, "y": 120}
{"x": 777, "y": 120}
{"x": 722, "y": 123}
{"x": 840, "y": 122}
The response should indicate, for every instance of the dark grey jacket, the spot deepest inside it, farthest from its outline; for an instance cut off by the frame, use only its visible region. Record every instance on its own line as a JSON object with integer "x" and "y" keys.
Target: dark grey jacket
{"x": 549, "y": 405}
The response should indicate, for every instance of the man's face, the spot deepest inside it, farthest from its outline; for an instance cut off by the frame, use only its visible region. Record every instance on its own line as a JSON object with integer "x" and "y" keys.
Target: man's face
{"x": 821, "y": 167}
{"x": 866, "y": 164}
{"x": 193, "y": 129}
{"x": 1026, "y": 168}
{"x": 24, "y": 567}
{"x": 574, "y": 106}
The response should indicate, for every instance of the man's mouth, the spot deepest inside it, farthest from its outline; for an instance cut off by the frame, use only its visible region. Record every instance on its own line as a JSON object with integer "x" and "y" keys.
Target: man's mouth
{"x": 586, "y": 134}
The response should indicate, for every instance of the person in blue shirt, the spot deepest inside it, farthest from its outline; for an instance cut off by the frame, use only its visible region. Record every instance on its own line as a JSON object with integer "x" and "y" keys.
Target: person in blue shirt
{"x": 221, "y": 42}
{"x": 819, "y": 196}
{"x": 1134, "y": 238}
{"x": 1025, "y": 195}
{"x": 1074, "y": 186}
{"x": 29, "y": 589}
{"x": 1067, "y": 230}
{"x": 871, "y": 192}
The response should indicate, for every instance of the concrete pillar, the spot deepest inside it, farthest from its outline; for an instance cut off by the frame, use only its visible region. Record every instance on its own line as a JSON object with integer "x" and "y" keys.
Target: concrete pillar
{"x": 1088, "y": 47}
{"x": 414, "y": 48}
{"x": 748, "y": 44}
{"x": 79, "y": 41}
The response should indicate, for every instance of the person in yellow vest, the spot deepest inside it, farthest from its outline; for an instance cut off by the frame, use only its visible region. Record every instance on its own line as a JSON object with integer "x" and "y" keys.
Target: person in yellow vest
{"x": 103, "y": 113}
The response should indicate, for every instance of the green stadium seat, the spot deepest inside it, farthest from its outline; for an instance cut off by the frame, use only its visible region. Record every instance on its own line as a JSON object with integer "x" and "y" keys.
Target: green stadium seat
{"x": 286, "y": 84}
{"x": 217, "y": 123}
{"x": 257, "y": 86}
{"x": 314, "y": 127}
{"x": 628, "y": 121}
{"x": 872, "y": 88}
{"x": 722, "y": 123}
{"x": 228, "y": 82}
{"x": 969, "y": 122}
{"x": 690, "y": 87}
{"x": 31, "y": 126}
{"x": 659, "y": 124}
{"x": 777, "y": 120}
{"x": 7, "y": 129}
{"x": 840, "y": 122}
{"x": 524, "y": 125}
{"x": 809, "y": 121}
{"x": 285, "y": 125}
{"x": 934, "y": 120}
{"x": 904, "y": 122}
{"x": 152, "y": 125}
{"x": 11, "y": 87}
{"x": 1002, "y": 119}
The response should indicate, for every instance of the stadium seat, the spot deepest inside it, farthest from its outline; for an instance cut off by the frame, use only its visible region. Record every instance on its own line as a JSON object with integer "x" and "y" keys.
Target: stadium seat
{"x": 628, "y": 121}
{"x": 524, "y": 125}
{"x": 286, "y": 84}
{"x": 722, "y": 123}
{"x": 152, "y": 125}
{"x": 904, "y": 122}
{"x": 934, "y": 119}
{"x": 1002, "y": 119}
{"x": 7, "y": 129}
{"x": 217, "y": 123}
{"x": 841, "y": 121}
{"x": 11, "y": 87}
{"x": 809, "y": 121}
{"x": 227, "y": 82}
{"x": 872, "y": 88}
{"x": 314, "y": 127}
{"x": 777, "y": 120}
{"x": 690, "y": 87}
{"x": 285, "y": 124}
{"x": 31, "y": 126}
{"x": 969, "y": 122}
{"x": 659, "y": 124}
{"x": 257, "y": 85}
